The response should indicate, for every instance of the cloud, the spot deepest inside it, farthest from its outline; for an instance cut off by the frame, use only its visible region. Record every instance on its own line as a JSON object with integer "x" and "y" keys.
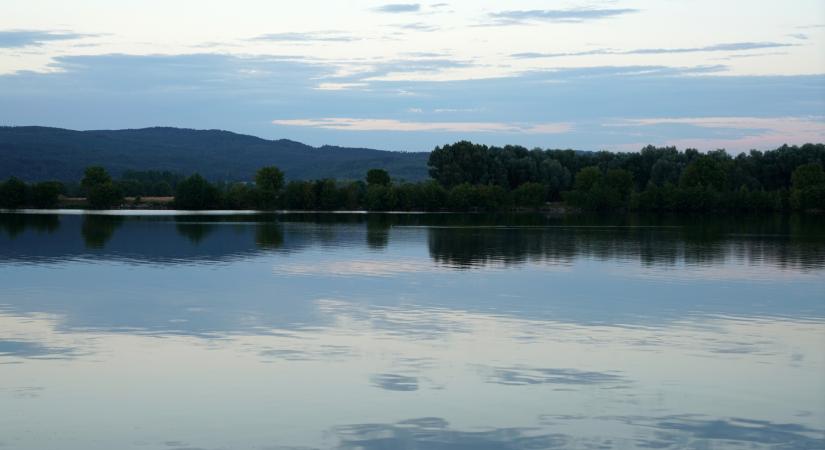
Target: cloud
{"x": 418, "y": 26}
{"x": 559, "y": 15}
{"x": 398, "y": 8}
{"x": 738, "y": 132}
{"x": 29, "y": 38}
{"x": 318, "y": 36}
{"x": 354, "y": 124}
{"x": 402, "y": 68}
{"x": 245, "y": 93}
{"x": 728, "y": 47}
{"x": 732, "y": 47}
{"x": 340, "y": 86}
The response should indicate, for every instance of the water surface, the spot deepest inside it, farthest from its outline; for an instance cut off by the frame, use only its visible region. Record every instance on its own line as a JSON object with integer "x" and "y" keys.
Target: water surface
{"x": 354, "y": 331}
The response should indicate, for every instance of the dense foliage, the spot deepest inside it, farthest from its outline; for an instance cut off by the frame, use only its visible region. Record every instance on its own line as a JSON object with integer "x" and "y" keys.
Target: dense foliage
{"x": 101, "y": 192}
{"x": 661, "y": 179}
{"x": 472, "y": 177}
{"x": 14, "y": 194}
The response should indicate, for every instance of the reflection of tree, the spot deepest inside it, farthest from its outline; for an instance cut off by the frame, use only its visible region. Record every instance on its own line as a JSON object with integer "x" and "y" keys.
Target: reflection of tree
{"x": 97, "y": 230}
{"x": 194, "y": 231}
{"x": 14, "y": 224}
{"x": 652, "y": 240}
{"x": 378, "y": 231}
{"x": 269, "y": 236}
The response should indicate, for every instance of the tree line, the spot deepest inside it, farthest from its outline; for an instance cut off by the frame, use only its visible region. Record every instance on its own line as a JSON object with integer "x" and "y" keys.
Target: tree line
{"x": 473, "y": 177}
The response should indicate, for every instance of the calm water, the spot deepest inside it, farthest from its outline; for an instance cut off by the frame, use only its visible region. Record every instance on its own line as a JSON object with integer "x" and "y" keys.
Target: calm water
{"x": 411, "y": 332}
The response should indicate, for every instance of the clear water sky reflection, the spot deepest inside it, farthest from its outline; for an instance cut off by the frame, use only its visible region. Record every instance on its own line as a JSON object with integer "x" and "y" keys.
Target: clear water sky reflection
{"x": 410, "y": 331}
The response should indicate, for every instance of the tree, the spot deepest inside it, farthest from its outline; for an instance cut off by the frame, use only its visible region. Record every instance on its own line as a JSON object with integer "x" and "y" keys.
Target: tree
{"x": 707, "y": 171}
{"x": 530, "y": 195}
{"x": 195, "y": 193}
{"x": 808, "y": 187}
{"x": 269, "y": 181}
{"x": 101, "y": 192}
{"x": 241, "y": 196}
{"x": 378, "y": 177}
{"x": 380, "y": 198}
{"x": 46, "y": 194}
{"x": 269, "y": 178}
{"x": 462, "y": 162}
{"x": 587, "y": 178}
{"x": 619, "y": 181}
{"x": 13, "y": 193}
{"x": 104, "y": 196}
{"x": 95, "y": 176}
{"x": 299, "y": 195}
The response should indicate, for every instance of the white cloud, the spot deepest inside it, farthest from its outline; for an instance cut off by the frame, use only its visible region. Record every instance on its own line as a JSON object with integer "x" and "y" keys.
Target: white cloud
{"x": 756, "y": 132}
{"x": 356, "y": 124}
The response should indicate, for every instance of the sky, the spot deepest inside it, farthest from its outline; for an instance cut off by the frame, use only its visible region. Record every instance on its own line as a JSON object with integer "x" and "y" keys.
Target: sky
{"x": 591, "y": 75}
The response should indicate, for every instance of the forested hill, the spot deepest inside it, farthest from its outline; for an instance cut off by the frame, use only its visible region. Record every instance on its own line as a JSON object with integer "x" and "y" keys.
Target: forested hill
{"x": 41, "y": 153}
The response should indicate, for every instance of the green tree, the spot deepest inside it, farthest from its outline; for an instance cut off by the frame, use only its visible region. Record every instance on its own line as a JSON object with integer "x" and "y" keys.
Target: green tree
{"x": 46, "y": 194}
{"x": 380, "y": 198}
{"x": 104, "y": 196}
{"x": 101, "y": 192}
{"x": 95, "y": 176}
{"x": 530, "y": 195}
{"x": 378, "y": 177}
{"x": 269, "y": 178}
{"x": 241, "y": 196}
{"x": 268, "y": 182}
{"x": 195, "y": 193}
{"x": 299, "y": 195}
{"x": 808, "y": 183}
{"x": 708, "y": 171}
{"x": 13, "y": 193}
{"x": 619, "y": 181}
{"x": 587, "y": 178}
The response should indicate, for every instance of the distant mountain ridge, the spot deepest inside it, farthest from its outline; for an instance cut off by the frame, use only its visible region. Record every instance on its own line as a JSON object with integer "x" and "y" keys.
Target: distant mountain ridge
{"x": 41, "y": 153}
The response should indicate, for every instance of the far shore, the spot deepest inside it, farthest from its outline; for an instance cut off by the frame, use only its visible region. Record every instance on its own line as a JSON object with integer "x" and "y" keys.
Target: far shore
{"x": 166, "y": 205}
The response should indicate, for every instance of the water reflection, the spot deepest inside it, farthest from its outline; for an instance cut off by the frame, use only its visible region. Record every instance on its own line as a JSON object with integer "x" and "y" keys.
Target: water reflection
{"x": 521, "y": 376}
{"x": 23, "y": 349}
{"x": 457, "y": 241}
{"x": 98, "y": 230}
{"x": 668, "y": 432}
{"x": 436, "y": 433}
{"x": 347, "y": 331}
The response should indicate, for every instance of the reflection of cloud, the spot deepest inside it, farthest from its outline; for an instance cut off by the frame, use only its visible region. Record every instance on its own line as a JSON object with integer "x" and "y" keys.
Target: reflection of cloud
{"x": 520, "y": 376}
{"x": 353, "y": 124}
{"x": 356, "y": 268}
{"x": 435, "y": 433}
{"x": 35, "y": 350}
{"x": 393, "y": 382}
{"x": 740, "y": 431}
{"x": 307, "y": 353}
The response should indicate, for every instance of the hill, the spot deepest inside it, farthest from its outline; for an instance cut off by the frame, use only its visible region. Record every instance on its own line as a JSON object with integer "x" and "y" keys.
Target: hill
{"x": 41, "y": 153}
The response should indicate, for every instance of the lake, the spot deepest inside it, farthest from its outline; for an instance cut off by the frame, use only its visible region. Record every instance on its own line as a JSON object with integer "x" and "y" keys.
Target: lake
{"x": 351, "y": 331}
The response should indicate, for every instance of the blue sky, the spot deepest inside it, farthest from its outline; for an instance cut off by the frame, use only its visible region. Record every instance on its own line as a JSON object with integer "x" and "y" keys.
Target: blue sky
{"x": 613, "y": 75}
